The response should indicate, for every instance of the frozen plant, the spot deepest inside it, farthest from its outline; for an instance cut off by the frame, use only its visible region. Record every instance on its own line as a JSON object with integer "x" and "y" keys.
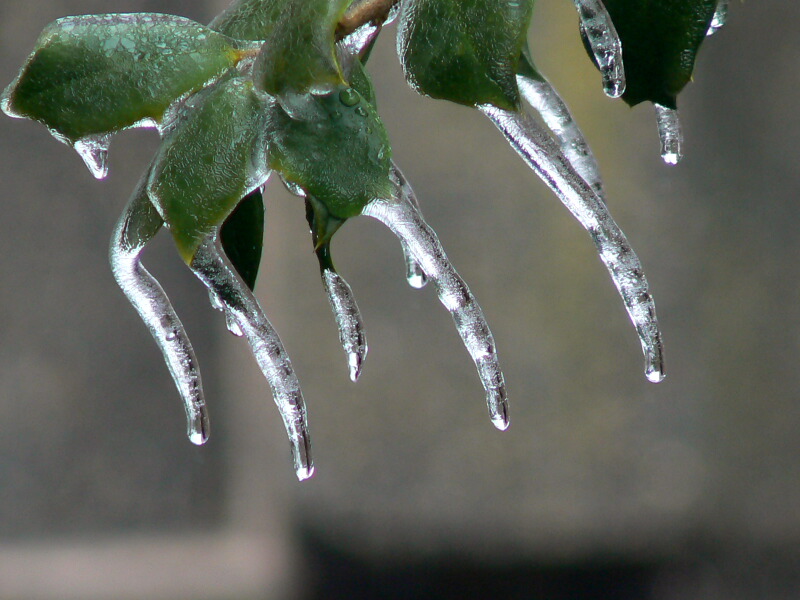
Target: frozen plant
{"x": 280, "y": 86}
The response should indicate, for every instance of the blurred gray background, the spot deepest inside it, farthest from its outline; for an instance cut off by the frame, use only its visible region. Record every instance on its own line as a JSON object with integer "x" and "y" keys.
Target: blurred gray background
{"x": 605, "y": 486}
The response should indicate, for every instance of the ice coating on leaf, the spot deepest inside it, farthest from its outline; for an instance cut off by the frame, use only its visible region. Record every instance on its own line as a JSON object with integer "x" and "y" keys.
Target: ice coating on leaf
{"x": 138, "y": 224}
{"x": 602, "y": 37}
{"x": 720, "y": 17}
{"x": 399, "y": 215}
{"x": 93, "y": 150}
{"x": 544, "y": 157}
{"x": 348, "y": 320}
{"x": 214, "y": 270}
{"x": 554, "y": 112}
{"x": 97, "y": 74}
{"x": 670, "y": 134}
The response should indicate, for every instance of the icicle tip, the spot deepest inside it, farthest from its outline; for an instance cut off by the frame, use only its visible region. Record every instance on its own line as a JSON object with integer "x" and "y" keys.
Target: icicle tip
{"x": 355, "y": 361}
{"x": 198, "y": 427}
{"x": 654, "y": 369}
{"x": 497, "y": 401}
{"x": 301, "y": 456}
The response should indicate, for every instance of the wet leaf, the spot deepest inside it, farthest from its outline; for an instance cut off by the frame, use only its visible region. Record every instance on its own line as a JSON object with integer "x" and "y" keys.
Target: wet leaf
{"x": 101, "y": 73}
{"x": 465, "y": 51}
{"x": 249, "y": 19}
{"x": 242, "y": 237}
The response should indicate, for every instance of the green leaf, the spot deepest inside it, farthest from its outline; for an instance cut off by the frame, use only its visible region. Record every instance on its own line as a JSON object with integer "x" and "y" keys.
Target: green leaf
{"x": 300, "y": 52}
{"x": 210, "y": 161}
{"x": 465, "y": 51}
{"x": 101, "y": 73}
{"x": 334, "y": 147}
{"x": 660, "y": 40}
{"x": 249, "y": 19}
{"x": 242, "y": 236}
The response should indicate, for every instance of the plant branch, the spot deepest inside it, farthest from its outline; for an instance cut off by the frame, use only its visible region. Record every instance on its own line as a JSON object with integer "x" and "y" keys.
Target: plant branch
{"x": 361, "y": 13}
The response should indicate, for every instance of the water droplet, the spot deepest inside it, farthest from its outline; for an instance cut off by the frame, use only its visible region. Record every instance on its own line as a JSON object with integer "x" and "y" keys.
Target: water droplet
{"x": 349, "y": 97}
{"x": 669, "y": 130}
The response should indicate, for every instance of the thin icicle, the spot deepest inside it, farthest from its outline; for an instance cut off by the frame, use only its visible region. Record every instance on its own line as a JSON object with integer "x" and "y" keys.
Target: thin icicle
{"x": 719, "y": 19}
{"x": 213, "y": 269}
{"x": 230, "y": 321}
{"x": 669, "y": 131}
{"x": 154, "y": 308}
{"x": 554, "y": 112}
{"x": 414, "y": 274}
{"x": 542, "y": 155}
{"x": 348, "y": 320}
{"x": 399, "y": 215}
{"x": 604, "y": 41}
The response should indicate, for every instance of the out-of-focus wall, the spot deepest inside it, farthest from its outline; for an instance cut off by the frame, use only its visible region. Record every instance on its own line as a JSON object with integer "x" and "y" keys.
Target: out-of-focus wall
{"x": 697, "y": 478}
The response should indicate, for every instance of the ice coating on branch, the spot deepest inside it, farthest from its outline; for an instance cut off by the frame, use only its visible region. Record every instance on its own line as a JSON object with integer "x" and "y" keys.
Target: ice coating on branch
{"x": 214, "y": 270}
{"x": 155, "y": 309}
{"x": 230, "y": 321}
{"x": 93, "y": 150}
{"x": 720, "y": 17}
{"x": 554, "y": 112}
{"x": 604, "y": 41}
{"x": 542, "y": 155}
{"x": 399, "y": 215}
{"x": 415, "y": 276}
{"x": 669, "y": 131}
{"x": 348, "y": 320}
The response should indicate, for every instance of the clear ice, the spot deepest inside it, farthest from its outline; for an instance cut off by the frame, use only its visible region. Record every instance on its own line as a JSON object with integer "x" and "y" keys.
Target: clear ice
{"x": 544, "y": 157}
{"x": 669, "y": 131}
{"x": 720, "y": 17}
{"x": 554, "y": 112}
{"x": 94, "y": 152}
{"x": 404, "y": 220}
{"x": 604, "y": 41}
{"x": 415, "y": 276}
{"x": 212, "y": 268}
{"x": 348, "y": 320}
{"x": 154, "y": 308}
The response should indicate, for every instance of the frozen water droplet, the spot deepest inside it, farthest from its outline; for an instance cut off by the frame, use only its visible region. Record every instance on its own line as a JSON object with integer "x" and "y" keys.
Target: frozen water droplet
{"x": 212, "y": 268}
{"x": 720, "y": 17}
{"x": 597, "y": 27}
{"x": 349, "y": 97}
{"x": 232, "y": 325}
{"x": 155, "y": 309}
{"x": 554, "y": 112}
{"x": 415, "y": 276}
{"x": 348, "y": 320}
{"x": 94, "y": 152}
{"x": 545, "y": 158}
{"x": 399, "y": 215}
{"x": 669, "y": 131}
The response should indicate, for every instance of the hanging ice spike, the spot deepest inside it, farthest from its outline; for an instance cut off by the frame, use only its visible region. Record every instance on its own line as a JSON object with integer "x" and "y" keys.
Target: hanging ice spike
{"x": 214, "y": 270}
{"x": 138, "y": 224}
{"x": 670, "y": 133}
{"x": 348, "y": 320}
{"x": 720, "y": 17}
{"x": 403, "y": 219}
{"x": 543, "y": 156}
{"x": 604, "y": 41}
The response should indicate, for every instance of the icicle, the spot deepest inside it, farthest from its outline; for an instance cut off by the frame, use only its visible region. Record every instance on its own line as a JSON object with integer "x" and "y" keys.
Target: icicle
{"x": 348, "y": 320}
{"x": 669, "y": 130}
{"x": 554, "y": 112}
{"x": 414, "y": 274}
{"x": 719, "y": 19}
{"x": 214, "y": 270}
{"x": 93, "y": 150}
{"x": 542, "y": 155}
{"x": 604, "y": 41}
{"x": 399, "y": 215}
{"x": 230, "y": 321}
{"x": 154, "y": 308}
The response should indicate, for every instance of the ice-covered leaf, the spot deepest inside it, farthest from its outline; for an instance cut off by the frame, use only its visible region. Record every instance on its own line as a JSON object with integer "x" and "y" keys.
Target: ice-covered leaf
{"x": 333, "y": 146}
{"x": 96, "y": 74}
{"x": 465, "y": 51}
{"x": 213, "y": 157}
{"x": 299, "y": 53}
{"x": 242, "y": 237}
{"x": 249, "y": 19}
{"x": 660, "y": 40}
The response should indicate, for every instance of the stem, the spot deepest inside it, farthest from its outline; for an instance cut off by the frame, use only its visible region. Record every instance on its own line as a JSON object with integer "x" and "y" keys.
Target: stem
{"x": 361, "y": 13}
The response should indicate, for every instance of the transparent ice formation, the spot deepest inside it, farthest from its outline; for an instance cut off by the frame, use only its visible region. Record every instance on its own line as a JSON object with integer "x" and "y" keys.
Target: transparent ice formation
{"x": 544, "y": 157}
{"x": 94, "y": 152}
{"x": 415, "y": 276}
{"x": 604, "y": 41}
{"x": 348, "y": 320}
{"x": 720, "y": 17}
{"x": 554, "y": 112}
{"x": 403, "y": 219}
{"x": 154, "y": 308}
{"x": 212, "y": 268}
{"x": 669, "y": 131}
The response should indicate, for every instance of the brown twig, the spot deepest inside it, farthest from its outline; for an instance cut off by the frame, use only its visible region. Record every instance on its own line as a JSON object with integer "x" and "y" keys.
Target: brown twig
{"x": 363, "y": 12}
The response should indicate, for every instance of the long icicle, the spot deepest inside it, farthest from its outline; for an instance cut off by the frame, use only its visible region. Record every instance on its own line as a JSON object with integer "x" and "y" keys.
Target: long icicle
{"x": 399, "y": 215}
{"x": 604, "y": 41}
{"x": 543, "y": 156}
{"x": 213, "y": 269}
{"x": 137, "y": 225}
{"x": 544, "y": 99}
{"x": 415, "y": 276}
{"x": 348, "y": 320}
